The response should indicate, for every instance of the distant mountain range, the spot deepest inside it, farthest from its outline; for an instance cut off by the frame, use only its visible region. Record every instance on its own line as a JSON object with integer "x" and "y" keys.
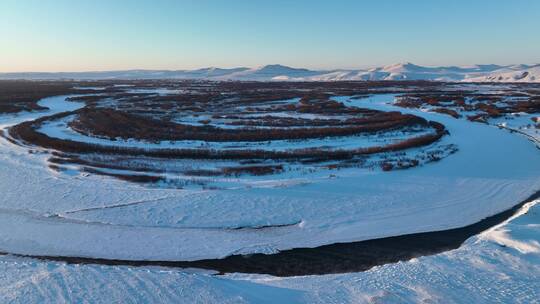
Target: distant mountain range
{"x": 276, "y": 72}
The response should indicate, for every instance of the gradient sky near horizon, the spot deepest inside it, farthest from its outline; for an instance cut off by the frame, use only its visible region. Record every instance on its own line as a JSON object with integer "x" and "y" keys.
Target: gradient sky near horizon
{"x": 78, "y": 35}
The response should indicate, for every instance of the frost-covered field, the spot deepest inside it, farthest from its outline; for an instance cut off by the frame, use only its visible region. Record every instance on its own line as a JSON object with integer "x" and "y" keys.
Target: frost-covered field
{"x": 44, "y": 212}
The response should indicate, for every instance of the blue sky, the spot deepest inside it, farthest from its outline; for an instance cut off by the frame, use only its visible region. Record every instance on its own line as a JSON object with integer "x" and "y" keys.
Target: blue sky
{"x": 75, "y": 35}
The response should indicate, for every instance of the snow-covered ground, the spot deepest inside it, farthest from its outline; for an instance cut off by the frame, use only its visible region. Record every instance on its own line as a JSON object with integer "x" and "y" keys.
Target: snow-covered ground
{"x": 522, "y": 123}
{"x": 501, "y": 265}
{"x": 46, "y": 213}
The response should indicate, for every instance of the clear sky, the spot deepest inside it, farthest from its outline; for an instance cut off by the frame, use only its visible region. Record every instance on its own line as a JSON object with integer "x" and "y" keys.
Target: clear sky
{"x": 76, "y": 35}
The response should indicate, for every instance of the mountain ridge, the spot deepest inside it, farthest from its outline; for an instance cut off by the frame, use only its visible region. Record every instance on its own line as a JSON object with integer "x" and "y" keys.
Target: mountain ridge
{"x": 278, "y": 72}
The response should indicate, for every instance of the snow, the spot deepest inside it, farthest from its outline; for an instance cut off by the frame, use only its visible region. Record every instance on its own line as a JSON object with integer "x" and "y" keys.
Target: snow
{"x": 57, "y": 214}
{"x": 481, "y": 271}
{"x": 356, "y": 205}
{"x": 28, "y": 281}
{"x": 522, "y": 123}
{"x": 55, "y": 105}
{"x": 520, "y": 73}
{"x": 268, "y": 72}
{"x": 276, "y": 72}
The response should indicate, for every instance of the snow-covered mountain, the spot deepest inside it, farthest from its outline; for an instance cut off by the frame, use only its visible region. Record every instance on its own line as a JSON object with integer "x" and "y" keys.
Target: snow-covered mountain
{"x": 276, "y": 72}
{"x": 271, "y": 72}
{"x": 409, "y": 71}
{"x": 516, "y": 73}
{"x": 206, "y": 73}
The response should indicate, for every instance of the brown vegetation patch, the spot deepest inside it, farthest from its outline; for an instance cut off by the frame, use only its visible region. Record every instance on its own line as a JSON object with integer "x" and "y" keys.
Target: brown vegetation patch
{"x": 26, "y": 132}
{"x": 253, "y": 170}
{"x": 486, "y": 105}
{"x": 447, "y": 112}
{"x": 231, "y": 112}
{"x": 135, "y": 178}
{"x": 114, "y": 124}
{"x": 19, "y": 95}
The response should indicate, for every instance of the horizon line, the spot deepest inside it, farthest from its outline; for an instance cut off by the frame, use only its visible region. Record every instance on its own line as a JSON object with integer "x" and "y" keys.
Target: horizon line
{"x": 262, "y": 66}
